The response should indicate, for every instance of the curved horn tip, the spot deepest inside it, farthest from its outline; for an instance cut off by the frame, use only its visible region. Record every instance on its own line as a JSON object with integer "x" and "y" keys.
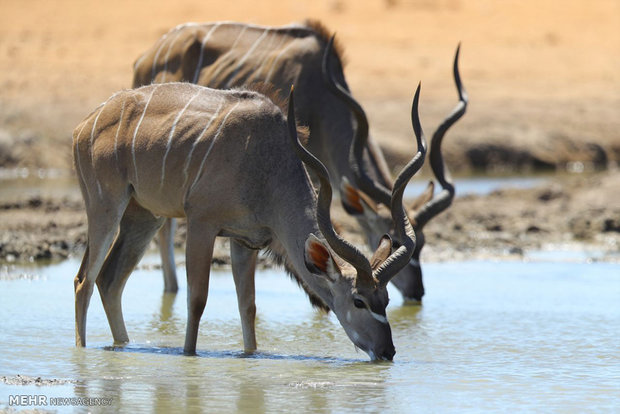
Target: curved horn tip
{"x": 290, "y": 118}
{"x": 415, "y": 116}
{"x": 457, "y": 76}
{"x": 416, "y": 97}
{"x": 326, "y": 59}
{"x": 456, "y": 60}
{"x": 291, "y": 105}
{"x": 330, "y": 43}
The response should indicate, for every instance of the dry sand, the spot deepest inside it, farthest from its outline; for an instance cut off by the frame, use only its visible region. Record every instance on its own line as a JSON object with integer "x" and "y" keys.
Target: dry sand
{"x": 575, "y": 213}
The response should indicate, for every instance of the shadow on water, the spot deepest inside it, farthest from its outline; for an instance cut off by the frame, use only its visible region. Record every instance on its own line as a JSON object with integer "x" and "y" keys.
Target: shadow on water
{"x": 224, "y": 354}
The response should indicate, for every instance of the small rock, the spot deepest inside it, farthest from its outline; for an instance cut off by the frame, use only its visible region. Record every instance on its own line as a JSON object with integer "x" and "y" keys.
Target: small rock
{"x": 611, "y": 225}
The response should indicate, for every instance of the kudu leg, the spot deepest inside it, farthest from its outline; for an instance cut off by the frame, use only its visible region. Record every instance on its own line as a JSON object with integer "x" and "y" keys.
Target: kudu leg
{"x": 137, "y": 228}
{"x": 166, "y": 250}
{"x": 198, "y": 253}
{"x": 102, "y": 227}
{"x": 243, "y": 268}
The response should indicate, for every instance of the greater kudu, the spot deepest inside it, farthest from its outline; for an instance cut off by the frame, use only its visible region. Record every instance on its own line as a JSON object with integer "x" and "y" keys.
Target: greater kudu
{"x": 224, "y": 161}
{"x": 224, "y": 55}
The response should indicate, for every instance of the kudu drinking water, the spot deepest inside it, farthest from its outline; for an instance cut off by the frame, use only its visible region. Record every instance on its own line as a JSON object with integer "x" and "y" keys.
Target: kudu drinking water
{"x": 226, "y": 54}
{"x": 229, "y": 162}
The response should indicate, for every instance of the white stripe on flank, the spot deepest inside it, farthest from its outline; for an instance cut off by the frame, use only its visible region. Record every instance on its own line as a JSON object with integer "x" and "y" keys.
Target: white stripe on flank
{"x": 120, "y": 120}
{"x": 139, "y": 61}
{"x": 267, "y": 55}
{"x": 92, "y": 140}
{"x": 169, "y": 144}
{"x": 230, "y": 51}
{"x": 219, "y": 130}
{"x": 154, "y": 68}
{"x": 183, "y": 26}
{"x": 163, "y": 78}
{"x": 92, "y": 131}
{"x": 275, "y": 61}
{"x": 189, "y": 156}
{"x": 245, "y": 57}
{"x": 78, "y": 164}
{"x": 238, "y": 38}
{"x": 202, "y": 52}
{"x": 135, "y": 134}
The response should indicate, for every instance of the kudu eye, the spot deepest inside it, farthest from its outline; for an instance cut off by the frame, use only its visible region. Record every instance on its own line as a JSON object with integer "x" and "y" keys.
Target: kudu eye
{"x": 359, "y": 303}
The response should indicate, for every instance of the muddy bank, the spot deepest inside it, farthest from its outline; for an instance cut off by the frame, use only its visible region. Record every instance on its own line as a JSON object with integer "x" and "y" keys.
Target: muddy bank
{"x": 581, "y": 211}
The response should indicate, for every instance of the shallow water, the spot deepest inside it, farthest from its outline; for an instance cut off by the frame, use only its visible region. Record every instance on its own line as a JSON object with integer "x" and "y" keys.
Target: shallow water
{"x": 478, "y": 185}
{"x": 539, "y": 335}
{"x": 24, "y": 182}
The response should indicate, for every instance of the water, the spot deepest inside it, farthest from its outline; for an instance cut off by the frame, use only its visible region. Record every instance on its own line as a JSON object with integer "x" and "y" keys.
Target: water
{"x": 539, "y": 335}
{"x": 478, "y": 185}
{"x": 22, "y": 181}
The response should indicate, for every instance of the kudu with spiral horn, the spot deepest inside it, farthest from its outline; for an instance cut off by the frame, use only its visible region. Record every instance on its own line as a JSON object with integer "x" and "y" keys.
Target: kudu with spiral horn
{"x": 372, "y": 194}
{"x": 224, "y": 161}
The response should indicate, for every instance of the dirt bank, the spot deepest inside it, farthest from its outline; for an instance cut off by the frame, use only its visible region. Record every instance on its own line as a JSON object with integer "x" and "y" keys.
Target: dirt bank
{"x": 577, "y": 211}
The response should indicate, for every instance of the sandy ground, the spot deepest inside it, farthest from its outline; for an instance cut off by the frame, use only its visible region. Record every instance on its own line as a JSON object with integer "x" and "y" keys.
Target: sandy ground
{"x": 544, "y": 83}
{"x": 544, "y": 79}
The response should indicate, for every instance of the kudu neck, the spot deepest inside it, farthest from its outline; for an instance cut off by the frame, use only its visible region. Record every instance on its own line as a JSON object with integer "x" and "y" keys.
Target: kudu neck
{"x": 288, "y": 249}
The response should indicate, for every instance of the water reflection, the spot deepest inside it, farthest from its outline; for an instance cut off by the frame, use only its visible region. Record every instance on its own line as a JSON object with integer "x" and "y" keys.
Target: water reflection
{"x": 166, "y": 322}
{"x": 405, "y": 316}
{"x": 251, "y": 398}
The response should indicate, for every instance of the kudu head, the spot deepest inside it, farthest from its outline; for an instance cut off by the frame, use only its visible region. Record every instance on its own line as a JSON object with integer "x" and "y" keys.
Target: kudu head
{"x": 372, "y": 200}
{"x": 357, "y": 285}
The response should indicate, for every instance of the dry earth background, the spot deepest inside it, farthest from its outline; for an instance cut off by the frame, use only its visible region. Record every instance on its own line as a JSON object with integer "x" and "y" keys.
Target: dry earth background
{"x": 543, "y": 78}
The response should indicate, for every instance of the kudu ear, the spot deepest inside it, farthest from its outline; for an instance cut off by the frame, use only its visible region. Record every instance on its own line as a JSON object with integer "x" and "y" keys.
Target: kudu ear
{"x": 423, "y": 198}
{"x": 382, "y": 253}
{"x": 319, "y": 260}
{"x": 353, "y": 201}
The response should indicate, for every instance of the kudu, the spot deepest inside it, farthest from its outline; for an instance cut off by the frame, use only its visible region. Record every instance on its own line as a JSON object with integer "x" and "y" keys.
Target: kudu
{"x": 224, "y": 161}
{"x": 372, "y": 197}
{"x": 224, "y": 55}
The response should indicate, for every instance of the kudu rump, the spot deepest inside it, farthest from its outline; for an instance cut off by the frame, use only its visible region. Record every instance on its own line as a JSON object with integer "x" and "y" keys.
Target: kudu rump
{"x": 225, "y": 54}
{"x": 229, "y": 162}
